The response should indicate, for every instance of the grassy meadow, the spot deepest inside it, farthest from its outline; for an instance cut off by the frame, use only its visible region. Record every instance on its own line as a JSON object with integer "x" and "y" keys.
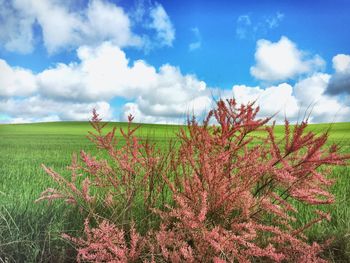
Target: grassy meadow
{"x": 29, "y": 232}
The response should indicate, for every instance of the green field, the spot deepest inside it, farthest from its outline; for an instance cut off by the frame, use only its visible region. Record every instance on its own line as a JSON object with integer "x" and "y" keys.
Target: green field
{"x": 29, "y": 231}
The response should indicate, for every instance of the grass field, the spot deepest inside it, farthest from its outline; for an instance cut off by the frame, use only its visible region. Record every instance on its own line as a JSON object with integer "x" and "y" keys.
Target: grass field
{"x": 29, "y": 231}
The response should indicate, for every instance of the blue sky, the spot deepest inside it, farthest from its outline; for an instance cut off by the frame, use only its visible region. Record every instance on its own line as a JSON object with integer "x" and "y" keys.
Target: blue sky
{"x": 161, "y": 60}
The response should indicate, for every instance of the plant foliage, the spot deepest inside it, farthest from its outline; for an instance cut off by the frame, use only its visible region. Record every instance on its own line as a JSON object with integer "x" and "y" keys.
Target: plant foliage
{"x": 222, "y": 193}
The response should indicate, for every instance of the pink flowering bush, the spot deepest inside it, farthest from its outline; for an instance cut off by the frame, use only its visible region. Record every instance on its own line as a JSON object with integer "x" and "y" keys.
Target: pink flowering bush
{"x": 221, "y": 193}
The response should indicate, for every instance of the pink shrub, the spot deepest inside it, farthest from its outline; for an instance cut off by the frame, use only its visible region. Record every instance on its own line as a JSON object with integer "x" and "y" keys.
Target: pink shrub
{"x": 221, "y": 195}
{"x": 107, "y": 244}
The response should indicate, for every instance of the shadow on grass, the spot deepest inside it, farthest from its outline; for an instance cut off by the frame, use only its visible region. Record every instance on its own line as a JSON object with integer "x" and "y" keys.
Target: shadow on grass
{"x": 34, "y": 236}
{"x": 339, "y": 250}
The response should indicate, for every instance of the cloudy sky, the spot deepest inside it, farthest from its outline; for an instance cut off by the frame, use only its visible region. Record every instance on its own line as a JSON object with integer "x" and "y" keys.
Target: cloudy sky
{"x": 162, "y": 60}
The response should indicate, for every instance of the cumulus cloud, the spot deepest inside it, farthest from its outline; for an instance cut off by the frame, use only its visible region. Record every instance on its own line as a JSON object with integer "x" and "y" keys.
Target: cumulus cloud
{"x": 171, "y": 114}
{"x": 140, "y": 117}
{"x": 340, "y": 81}
{"x": 277, "y": 100}
{"x": 64, "y": 26}
{"x": 16, "y": 81}
{"x": 105, "y": 73}
{"x": 37, "y": 108}
{"x": 341, "y": 63}
{"x": 172, "y": 97}
{"x": 180, "y": 98}
{"x": 282, "y": 60}
{"x": 306, "y": 97}
{"x": 102, "y": 74}
{"x": 154, "y": 95}
{"x": 310, "y": 92}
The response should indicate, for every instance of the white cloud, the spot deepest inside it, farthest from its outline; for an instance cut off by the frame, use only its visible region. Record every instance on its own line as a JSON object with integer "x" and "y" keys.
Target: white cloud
{"x": 15, "y": 29}
{"x": 157, "y": 95}
{"x": 310, "y": 93}
{"x": 282, "y": 60}
{"x": 164, "y": 95}
{"x": 51, "y": 118}
{"x": 194, "y": 45}
{"x": 60, "y": 28}
{"x": 37, "y": 108}
{"x": 340, "y": 80}
{"x": 64, "y": 27}
{"x": 246, "y": 28}
{"x": 274, "y": 21}
{"x": 272, "y": 100}
{"x": 170, "y": 114}
{"x": 16, "y": 81}
{"x": 160, "y": 22}
{"x": 243, "y": 26}
{"x": 341, "y": 63}
{"x": 310, "y": 90}
{"x": 109, "y": 22}
{"x": 172, "y": 97}
{"x": 103, "y": 74}
{"x": 307, "y": 96}
{"x": 139, "y": 117}
{"x": 198, "y": 42}
{"x": 138, "y": 11}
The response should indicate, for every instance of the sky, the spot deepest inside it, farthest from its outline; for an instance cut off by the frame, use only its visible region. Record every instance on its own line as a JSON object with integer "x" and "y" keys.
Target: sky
{"x": 164, "y": 60}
